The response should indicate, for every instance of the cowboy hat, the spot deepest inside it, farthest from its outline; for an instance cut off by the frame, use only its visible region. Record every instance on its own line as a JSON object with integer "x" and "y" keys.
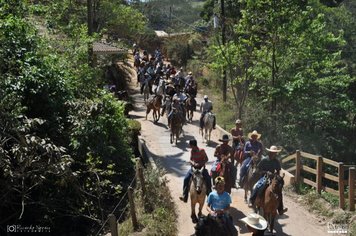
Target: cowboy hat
{"x": 255, "y": 221}
{"x": 205, "y": 96}
{"x": 190, "y": 73}
{"x": 238, "y": 121}
{"x": 225, "y": 138}
{"x": 254, "y": 133}
{"x": 274, "y": 149}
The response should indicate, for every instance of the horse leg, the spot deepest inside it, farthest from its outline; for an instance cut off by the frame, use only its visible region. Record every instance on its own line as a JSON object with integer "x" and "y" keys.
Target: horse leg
{"x": 147, "y": 111}
{"x": 245, "y": 197}
{"x": 201, "y": 204}
{"x": 172, "y": 137}
{"x": 271, "y": 227}
{"x": 193, "y": 215}
{"x": 177, "y": 136}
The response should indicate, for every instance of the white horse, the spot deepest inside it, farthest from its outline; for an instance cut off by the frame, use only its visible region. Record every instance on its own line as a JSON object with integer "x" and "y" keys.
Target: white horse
{"x": 208, "y": 126}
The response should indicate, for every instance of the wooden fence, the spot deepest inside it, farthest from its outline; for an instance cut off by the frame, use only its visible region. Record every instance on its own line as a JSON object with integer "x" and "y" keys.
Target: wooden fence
{"x": 301, "y": 158}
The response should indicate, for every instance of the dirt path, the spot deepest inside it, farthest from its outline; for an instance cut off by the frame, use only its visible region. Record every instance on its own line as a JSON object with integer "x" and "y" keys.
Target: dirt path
{"x": 174, "y": 159}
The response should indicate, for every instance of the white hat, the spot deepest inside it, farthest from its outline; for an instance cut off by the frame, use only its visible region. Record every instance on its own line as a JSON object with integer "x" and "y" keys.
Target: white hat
{"x": 238, "y": 121}
{"x": 254, "y": 133}
{"x": 205, "y": 96}
{"x": 274, "y": 149}
{"x": 255, "y": 221}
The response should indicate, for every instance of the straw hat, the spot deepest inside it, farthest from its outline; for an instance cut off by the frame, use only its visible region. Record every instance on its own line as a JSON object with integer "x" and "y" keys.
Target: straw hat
{"x": 205, "y": 96}
{"x": 190, "y": 73}
{"x": 274, "y": 149}
{"x": 224, "y": 138}
{"x": 254, "y": 133}
{"x": 219, "y": 180}
{"x": 255, "y": 221}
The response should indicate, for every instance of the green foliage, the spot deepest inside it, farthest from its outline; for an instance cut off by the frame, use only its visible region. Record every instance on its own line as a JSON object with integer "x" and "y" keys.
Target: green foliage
{"x": 277, "y": 66}
{"x": 178, "y": 51}
{"x": 64, "y": 152}
{"x": 156, "y": 211}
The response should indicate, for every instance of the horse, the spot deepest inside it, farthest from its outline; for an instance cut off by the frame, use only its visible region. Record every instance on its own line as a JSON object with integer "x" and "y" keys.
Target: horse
{"x": 251, "y": 178}
{"x": 155, "y": 105}
{"x": 197, "y": 192}
{"x": 208, "y": 126}
{"x": 225, "y": 171}
{"x": 270, "y": 200}
{"x": 176, "y": 125}
{"x": 190, "y": 107}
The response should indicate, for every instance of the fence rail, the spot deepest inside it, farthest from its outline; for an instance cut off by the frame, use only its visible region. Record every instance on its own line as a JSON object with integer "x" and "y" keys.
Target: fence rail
{"x": 300, "y": 165}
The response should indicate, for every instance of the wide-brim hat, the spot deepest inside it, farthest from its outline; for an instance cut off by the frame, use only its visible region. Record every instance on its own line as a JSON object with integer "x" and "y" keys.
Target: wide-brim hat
{"x": 225, "y": 138}
{"x": 274, "y": 149}
{"x": 190, "y": 73}
{"x": 238, "y": 121}
{"x": 254, "y": 133}
{"x": 255, "y": 221}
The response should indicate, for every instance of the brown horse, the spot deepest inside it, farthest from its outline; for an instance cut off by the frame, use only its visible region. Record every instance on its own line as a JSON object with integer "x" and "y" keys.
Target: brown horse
{"x": 270, "y": 200}
{"x": 155, "y": 105}
{"x": 252, "y": 176}
{"x": 224, "y": 169}
{"x": 190, "y": 107}
{"x": 176, "y": 125}
{"x": 197, "y": 193}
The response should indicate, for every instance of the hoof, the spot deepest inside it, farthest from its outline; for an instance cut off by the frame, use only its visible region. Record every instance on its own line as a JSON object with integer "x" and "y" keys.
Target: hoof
{"x": 194, "y": 219}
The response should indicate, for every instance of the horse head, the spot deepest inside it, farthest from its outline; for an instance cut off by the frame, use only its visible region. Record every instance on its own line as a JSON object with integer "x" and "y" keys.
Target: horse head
{"x": 198, "y": 179}
{"x": 277, "y": 183}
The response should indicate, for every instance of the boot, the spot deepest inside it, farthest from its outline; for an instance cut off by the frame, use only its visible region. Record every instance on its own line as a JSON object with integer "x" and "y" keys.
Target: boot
{"x": 184, "y": 198}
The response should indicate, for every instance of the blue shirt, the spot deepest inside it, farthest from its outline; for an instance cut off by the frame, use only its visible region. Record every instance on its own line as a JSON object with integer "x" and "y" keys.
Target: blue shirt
{"x": 255, "y": 146}
{"x": 218, "y": 202}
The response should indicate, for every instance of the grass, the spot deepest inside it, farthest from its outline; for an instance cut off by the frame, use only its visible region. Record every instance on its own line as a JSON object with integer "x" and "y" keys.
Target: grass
{"x": 155, "y": 211}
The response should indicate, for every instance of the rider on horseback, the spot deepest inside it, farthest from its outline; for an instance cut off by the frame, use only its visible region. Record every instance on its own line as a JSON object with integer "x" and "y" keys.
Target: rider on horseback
{"x": 224, "y": 151}
{"x": 205, "y": 107}
{"x": 268, "y": 164}
{"x": 252, "y": 147}
{"x": 218, "y": 204}
{"x": 176, "y": 107}
{"x": 198, "y": 159}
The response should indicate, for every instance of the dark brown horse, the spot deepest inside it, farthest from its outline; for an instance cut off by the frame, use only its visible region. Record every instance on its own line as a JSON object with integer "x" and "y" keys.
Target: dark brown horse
{"x": 224, "y": 169}
{"x": 190, "y": 107}
{"x": 270, "y": 200}
{"x": 155, "y": 105}
{"x": 176, "y": 125}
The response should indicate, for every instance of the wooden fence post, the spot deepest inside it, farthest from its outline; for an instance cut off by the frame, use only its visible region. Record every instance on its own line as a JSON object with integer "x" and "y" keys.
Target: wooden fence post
{"x": 297, "y": 167}
{"x": 113, "y": 225}
{"x": 341, "y": 185}
{"x": 132, "y": 208}
{"x": 352, "y": 177}
{"x": 139, "y": 171}
{"x": 319, "y": 174}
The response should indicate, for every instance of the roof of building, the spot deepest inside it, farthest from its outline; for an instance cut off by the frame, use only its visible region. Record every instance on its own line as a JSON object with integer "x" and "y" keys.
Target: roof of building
{"x": 105, "y": 49}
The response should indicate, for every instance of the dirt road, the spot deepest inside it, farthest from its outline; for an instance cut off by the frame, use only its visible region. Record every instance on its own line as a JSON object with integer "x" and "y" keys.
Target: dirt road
{"x": 174, "y": 159}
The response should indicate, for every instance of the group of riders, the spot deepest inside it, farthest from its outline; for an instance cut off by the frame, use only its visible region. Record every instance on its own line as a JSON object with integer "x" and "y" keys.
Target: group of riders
{"x": 176, "y": 88}
{"x": 242, "y": 151}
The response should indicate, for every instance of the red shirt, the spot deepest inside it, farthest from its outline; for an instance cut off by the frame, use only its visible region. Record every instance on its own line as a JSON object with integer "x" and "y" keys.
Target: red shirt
{"x": 198, "y": 155}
